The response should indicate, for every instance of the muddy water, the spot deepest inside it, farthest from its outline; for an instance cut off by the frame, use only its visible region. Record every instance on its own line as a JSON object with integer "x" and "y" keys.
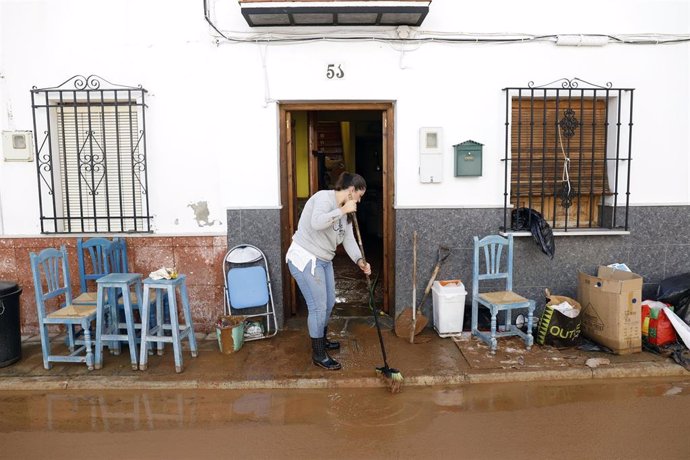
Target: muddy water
{"x": 612, "y": 419}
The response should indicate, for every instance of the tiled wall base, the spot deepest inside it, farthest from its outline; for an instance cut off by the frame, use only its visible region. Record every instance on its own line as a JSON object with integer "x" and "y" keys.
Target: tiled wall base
{"x": 658, "y": 247}
{"x": 199, "y": 257}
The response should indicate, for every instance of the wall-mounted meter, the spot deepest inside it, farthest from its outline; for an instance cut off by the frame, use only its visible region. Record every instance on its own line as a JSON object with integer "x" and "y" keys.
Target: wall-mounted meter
{"x": 17, "y": 146}
{"x": 430, "y": 155}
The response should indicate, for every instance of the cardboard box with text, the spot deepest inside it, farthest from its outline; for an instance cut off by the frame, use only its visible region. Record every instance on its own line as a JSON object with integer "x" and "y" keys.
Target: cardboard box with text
{"x": 611, "y": 309}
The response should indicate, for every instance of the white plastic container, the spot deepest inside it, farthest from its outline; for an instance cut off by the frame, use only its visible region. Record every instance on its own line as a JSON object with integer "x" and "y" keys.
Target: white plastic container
{"x": 449, "y": 306}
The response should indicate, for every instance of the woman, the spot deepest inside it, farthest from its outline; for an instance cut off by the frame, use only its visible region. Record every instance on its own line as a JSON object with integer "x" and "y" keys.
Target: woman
{"x": 324, "y": 224}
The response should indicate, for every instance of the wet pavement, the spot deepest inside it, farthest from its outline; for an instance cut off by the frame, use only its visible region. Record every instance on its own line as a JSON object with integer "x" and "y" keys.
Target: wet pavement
{"x": 284, "y": 361}
{"x": 586, "y": 419}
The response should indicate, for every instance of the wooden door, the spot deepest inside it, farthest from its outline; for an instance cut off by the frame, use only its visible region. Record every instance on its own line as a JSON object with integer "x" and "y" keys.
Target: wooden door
{"x": 289, "y": 193}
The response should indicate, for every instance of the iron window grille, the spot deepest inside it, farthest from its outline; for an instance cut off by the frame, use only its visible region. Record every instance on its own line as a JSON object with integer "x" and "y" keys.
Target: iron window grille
{"x": 568, "y": 150}
{"x": 91, "y": 157}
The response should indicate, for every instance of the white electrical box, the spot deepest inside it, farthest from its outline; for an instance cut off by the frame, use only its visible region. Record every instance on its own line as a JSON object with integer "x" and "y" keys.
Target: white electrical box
{"x": 17, "y": 146}
{"x": 430, "y": 155}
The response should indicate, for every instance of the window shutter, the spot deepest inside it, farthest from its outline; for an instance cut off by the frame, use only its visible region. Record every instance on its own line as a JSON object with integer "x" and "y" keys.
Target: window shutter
{"x": 98, "y": 148}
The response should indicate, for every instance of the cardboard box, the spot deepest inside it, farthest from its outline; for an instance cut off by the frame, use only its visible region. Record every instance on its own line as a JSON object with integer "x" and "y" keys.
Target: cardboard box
{"x": 611, "y": 309}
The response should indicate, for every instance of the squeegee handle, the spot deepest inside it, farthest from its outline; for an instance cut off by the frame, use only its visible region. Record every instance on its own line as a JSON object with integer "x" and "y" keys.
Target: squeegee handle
{"x": 372, "y": 303}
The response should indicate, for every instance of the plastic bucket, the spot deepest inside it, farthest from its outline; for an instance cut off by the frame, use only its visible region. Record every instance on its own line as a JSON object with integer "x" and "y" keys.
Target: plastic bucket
{"x": 449, "y": 306}
{"x": 230, "y": 333}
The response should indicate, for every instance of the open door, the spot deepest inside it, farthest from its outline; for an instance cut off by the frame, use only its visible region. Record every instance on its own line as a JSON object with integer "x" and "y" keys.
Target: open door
{"x": 318, "y": 141}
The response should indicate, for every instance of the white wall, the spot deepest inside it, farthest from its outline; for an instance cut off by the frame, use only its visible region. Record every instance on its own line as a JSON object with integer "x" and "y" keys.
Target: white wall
{"x": 212, "y": 126}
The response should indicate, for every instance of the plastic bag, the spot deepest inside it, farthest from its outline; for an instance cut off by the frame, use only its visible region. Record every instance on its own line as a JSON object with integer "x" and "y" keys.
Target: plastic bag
{"x": 559, "y": 326}
{"x": 164, "y": 273}
{"x": 656, "y": 326}
{"x": 676, "y": 291}
{"x": 529, "y": 219}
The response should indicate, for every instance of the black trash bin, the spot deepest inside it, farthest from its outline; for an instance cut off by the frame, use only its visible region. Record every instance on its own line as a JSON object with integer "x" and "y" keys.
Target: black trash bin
{"x": 10, "y": 332}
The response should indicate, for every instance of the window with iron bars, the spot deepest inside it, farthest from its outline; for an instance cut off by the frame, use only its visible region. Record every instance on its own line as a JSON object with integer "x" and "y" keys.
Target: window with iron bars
{"x": 91, "y": 161}
{"x": 567, "y": 154}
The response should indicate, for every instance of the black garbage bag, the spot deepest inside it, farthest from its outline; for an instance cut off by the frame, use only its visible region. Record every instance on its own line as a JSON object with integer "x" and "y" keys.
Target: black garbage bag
{"x": 529, "y": 219}
{"x": 676, "y": 291}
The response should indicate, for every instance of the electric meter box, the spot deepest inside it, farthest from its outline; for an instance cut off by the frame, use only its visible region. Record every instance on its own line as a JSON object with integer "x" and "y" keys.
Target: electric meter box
{"x": 430, "y": 155}
{"x": 17, "y": 146}
{"x": 468, "y": 159}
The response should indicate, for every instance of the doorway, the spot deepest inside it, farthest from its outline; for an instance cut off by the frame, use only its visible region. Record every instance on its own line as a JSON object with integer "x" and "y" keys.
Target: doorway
{"x": 318, "y": 142}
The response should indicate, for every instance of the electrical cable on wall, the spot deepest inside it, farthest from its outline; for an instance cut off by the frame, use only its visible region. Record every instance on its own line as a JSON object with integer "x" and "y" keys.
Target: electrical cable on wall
{"x": 267, "y": 89}
{"x": 415, "y": 36}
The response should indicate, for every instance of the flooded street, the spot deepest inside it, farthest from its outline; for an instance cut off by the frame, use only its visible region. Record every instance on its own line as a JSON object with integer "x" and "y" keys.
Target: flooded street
{"x": 607, "y": 419}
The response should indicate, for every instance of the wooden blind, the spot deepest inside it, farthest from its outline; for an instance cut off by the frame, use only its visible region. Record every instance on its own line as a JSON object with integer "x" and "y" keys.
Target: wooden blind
{"x": 537, "y": 156}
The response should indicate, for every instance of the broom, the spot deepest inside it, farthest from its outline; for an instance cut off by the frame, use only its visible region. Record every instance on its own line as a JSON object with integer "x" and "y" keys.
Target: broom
{"x": 391, "y": 376}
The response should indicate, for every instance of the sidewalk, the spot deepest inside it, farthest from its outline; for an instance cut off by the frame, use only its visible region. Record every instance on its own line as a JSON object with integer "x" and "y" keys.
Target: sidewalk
{"x": 284, "y": 362}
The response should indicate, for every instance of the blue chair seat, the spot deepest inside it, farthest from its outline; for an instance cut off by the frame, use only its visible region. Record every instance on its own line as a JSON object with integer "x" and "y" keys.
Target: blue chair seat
{"x": 247, "y": 287}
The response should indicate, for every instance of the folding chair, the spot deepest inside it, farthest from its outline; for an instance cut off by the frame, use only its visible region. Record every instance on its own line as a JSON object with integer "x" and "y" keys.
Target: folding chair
{"x": 248, "y": 291}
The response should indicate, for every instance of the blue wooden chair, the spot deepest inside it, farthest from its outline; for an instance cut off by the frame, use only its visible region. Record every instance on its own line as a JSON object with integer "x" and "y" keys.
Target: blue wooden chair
{"x": 497, "y": 254}
{"x": 92, "y": 258}
{"x": 51, "y": 281}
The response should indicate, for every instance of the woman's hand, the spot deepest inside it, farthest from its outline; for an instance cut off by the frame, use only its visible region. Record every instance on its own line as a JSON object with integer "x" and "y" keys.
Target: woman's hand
{"x": 348, "y": 207}
{"x": 364, "y": 266}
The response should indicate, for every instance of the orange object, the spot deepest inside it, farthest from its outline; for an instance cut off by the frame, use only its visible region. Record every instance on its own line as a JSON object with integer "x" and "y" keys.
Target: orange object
{"x": 656, "y": 327}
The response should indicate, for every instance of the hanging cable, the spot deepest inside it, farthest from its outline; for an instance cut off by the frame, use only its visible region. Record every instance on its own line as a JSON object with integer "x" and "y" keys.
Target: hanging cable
{"x": 267, "y": 88}
{"x": 566, "y": 193}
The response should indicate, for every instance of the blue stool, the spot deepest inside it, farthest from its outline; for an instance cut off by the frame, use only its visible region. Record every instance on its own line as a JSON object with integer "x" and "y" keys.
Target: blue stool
{"x": 113, "y": 282}
{"x": 157, "y": 333}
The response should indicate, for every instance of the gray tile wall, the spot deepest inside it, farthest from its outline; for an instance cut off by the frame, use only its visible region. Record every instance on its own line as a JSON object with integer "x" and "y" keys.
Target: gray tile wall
{"x": 658, "y": 247}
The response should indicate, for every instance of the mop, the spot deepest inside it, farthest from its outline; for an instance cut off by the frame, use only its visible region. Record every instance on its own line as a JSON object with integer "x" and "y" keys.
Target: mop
{"x": 390, "y": 376}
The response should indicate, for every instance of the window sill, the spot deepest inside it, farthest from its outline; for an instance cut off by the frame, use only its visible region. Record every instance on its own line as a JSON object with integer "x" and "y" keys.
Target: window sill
{"x": 574, "y": 232}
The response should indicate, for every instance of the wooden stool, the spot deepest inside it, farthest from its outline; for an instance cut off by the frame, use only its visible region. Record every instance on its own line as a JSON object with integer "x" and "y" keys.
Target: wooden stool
{"x": 115, "y": 282}
{"x": 156, "y": 334}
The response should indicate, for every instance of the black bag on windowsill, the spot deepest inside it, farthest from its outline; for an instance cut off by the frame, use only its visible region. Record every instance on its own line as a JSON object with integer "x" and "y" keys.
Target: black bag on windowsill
{"x": 529, "y": 219}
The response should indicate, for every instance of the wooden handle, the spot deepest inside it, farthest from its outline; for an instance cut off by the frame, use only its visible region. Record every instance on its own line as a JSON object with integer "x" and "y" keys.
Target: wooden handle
{"x": 414, "y": 273}
{"x": 359, "y": 243}
{"x": 434, "y": 274}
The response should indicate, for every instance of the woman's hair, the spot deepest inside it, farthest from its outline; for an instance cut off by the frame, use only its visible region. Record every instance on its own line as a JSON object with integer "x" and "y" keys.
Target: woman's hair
{"x": 347, "y": 179}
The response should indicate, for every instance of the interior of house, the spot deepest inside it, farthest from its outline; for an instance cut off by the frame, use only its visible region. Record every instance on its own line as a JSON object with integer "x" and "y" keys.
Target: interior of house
{"x": 337, "y": 141}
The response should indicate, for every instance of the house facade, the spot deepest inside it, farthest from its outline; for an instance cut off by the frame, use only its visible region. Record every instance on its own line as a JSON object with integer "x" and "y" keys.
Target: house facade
{"x": 190, "y": 127}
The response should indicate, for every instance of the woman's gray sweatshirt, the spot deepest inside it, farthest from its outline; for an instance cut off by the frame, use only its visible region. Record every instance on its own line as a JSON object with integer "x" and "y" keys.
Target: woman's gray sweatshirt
{"x": 322, "y": 227}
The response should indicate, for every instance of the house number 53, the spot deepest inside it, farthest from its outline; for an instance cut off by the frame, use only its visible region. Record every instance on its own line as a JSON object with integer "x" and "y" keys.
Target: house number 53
{"x": 334, "y": 71}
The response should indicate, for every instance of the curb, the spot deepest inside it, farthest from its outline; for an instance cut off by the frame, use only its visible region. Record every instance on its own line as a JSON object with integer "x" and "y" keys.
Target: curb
{"x": 38, "y": 383}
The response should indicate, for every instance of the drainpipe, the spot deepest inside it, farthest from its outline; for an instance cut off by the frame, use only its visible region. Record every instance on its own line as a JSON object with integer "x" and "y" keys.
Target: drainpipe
{"x": 8, "y": 111}
{"x": 2, "y": 221}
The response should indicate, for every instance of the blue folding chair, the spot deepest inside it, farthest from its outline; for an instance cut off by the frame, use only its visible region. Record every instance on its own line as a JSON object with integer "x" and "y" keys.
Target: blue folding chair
{"x": 497, "y": 252}
{"x": 248, "y": 291}
{"x": 52, "y": 284}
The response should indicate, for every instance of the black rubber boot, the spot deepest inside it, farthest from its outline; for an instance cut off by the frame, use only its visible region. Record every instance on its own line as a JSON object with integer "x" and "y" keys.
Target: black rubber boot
{"x": 330, "y": 345}
{"x": 320, "y": 357}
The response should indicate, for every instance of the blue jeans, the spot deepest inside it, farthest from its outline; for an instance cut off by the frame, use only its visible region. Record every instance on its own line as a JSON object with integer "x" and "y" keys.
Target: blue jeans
{"x": 319, "y": 293}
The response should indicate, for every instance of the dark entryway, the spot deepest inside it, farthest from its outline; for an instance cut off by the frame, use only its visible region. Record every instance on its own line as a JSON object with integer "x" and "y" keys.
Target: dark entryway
{"x": 324, "y": 140}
